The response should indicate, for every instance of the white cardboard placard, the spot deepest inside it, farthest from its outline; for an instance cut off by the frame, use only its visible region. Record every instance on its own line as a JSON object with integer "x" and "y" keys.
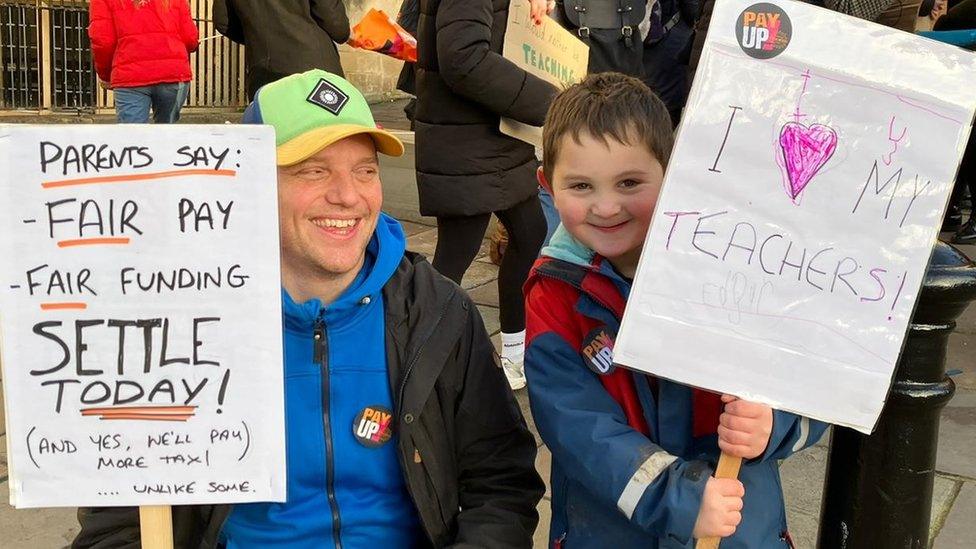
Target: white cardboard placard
{"x": 802, "y": 200}
{"x": 548, "y": 51}
{"x": 140, "y": 315}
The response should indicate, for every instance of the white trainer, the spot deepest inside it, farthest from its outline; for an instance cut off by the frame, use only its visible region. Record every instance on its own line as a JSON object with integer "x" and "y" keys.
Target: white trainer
{"x": 514, "y": 372}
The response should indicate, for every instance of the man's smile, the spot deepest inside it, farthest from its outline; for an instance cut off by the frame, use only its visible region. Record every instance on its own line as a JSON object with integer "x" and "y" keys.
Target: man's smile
{"x": 337, "y": 227}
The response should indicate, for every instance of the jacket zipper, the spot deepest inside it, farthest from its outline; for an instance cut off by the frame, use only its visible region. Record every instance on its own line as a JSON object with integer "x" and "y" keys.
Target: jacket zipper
{"x": 420, "y": 349}
{"x": 320, "y": 353}
{"x": 399, "y": 406}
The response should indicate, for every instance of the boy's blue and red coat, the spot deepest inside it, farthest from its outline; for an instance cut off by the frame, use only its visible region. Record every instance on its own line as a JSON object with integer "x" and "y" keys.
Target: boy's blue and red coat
{"x": 631, "y": 453}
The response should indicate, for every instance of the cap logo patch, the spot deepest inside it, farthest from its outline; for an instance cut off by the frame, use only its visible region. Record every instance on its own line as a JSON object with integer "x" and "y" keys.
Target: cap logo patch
{"x": 328, "y": 97}
{"x": 373, "y": 426}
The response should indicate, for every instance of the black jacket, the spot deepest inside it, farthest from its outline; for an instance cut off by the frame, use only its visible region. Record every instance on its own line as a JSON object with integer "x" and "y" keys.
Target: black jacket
{"x": 466, "y": 454}
{"x": 283, "y": 37}
{"x": 465, "y": 166}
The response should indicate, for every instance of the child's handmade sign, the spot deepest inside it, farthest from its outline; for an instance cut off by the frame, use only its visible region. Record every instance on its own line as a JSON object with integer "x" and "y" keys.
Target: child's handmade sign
{"x": 804, "y": 195}
{"x": 140, "y": 316}
{"x": 548, "y": 51}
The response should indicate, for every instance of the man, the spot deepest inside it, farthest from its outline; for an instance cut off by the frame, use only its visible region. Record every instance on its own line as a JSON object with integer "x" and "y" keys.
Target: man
{"x": 284, "y": 37}
{"x": 374, "y": 337}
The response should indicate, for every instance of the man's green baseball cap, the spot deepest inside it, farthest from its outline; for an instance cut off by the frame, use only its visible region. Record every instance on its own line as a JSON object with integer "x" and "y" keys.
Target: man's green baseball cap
{"x": 312, "y": 110}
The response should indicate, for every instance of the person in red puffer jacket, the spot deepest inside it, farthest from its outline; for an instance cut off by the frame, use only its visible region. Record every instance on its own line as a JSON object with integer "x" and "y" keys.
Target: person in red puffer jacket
{"x": 142, "y": 52}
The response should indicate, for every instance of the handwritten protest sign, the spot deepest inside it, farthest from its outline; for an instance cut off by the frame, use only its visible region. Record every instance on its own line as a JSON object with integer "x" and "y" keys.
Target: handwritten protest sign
{"x": 140, "y": 316}
{"x": 548, "y": 51}
{"x": 800, "y": 207}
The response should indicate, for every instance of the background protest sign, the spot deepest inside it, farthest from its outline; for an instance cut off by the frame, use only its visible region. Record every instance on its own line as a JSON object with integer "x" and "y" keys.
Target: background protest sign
{"x": 800, "y": 207}
{"x": 548, "y": 51}
{"x": 140, "y": 316}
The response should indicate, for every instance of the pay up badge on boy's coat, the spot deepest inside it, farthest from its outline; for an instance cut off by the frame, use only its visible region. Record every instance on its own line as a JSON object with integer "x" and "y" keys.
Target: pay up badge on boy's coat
{"x": 802, "y": 200}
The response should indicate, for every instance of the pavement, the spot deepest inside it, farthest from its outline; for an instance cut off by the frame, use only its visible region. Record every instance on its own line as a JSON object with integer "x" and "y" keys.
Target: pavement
{"x": 954, "y": 496}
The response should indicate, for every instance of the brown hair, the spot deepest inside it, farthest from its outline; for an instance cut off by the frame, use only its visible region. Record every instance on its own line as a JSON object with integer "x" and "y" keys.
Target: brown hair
{"x": 607, "y": 104}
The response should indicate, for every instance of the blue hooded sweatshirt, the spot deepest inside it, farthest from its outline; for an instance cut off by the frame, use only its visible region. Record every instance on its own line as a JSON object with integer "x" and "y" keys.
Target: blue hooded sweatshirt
{"x": 345, "y": 487}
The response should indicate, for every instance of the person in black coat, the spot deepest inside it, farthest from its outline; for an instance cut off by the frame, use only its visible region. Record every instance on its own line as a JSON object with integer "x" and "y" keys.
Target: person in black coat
{"x": 407, "y": 81}
{"x": 466, "y": 168}
{"x": 650, "y": 40}
{"x": 283, "y": 37}
{"x": 962, "y": 16}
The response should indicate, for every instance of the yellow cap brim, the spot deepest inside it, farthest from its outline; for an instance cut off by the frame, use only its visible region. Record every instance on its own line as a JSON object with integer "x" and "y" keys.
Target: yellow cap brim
{"x": 314, "y": 140}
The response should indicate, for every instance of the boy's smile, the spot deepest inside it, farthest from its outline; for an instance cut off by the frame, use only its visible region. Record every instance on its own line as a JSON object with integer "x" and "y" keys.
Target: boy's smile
{"x": 605, "y": 193}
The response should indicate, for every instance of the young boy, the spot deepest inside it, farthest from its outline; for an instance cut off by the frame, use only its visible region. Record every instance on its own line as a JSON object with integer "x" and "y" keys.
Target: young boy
{"x": 632, "y": 454}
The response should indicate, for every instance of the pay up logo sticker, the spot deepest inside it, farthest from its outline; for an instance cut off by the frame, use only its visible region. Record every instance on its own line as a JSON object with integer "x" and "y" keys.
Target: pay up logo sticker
{"x": 763, "y": 30}
{"x": 373, "y": 426}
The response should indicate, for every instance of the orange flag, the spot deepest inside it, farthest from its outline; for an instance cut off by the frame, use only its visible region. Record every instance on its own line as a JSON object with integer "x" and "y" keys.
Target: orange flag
{"x": 380, "y": 33}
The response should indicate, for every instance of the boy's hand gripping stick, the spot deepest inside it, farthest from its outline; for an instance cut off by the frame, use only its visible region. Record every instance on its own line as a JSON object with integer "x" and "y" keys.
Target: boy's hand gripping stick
{"x": 728, "y": 467}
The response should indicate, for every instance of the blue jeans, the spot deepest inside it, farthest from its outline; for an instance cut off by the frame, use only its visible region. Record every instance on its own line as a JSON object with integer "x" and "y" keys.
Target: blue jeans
{"x": 132, "y": 104}
{"x": 549, "y": 210}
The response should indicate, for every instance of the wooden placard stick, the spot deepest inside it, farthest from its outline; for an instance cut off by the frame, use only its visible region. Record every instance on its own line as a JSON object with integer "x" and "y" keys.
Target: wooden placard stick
{"x": 156, "y": 525}
{"x": 728, "y": 467}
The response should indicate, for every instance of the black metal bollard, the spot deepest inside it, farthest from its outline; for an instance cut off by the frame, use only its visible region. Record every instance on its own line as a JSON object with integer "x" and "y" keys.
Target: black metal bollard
{"x": 878, "y": 490}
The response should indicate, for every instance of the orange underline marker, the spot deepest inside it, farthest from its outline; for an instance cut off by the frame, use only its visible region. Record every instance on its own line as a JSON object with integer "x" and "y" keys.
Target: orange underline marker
{"x": 142, "y": 413}
{"x": 139, "y": 410}
{"x": 135, "y": 177}
{"x": 92, "y": 241}
{"x": 142, "y": 417}
{"x": 58, "y": 306}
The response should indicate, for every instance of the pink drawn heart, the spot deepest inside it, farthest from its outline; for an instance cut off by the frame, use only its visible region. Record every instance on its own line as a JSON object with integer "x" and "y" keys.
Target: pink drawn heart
{"x": 805, "y": 151}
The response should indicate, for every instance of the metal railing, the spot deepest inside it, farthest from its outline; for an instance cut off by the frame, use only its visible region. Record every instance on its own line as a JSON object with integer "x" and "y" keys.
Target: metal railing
{"x": 46, "y": 63}
{"x": 72, "y": 78}
{"x": 19, "y": 59}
